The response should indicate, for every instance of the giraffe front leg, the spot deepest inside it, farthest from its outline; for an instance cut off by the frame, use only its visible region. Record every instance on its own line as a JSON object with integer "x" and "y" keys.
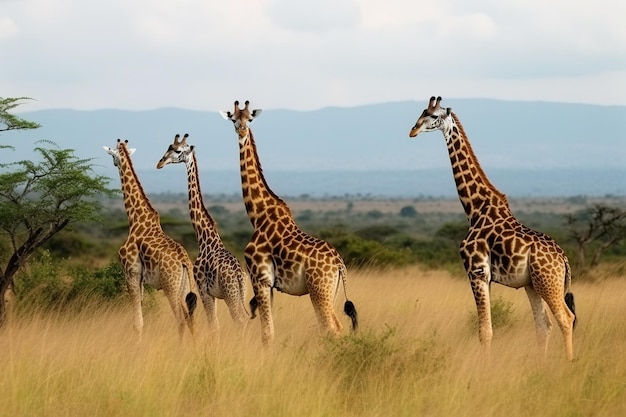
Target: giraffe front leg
{"x": 262, "y": 285}
{"x": 264, "y": 306}
{"x": 135, "y": 292}
{"x": 479, "y": 281}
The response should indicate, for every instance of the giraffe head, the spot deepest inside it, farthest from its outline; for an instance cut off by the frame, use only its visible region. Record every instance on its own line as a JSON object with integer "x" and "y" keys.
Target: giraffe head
{"x": 434, "y": 117}
{"x": 115, "y": 152}
{"x": 177, "y": 152}
{"x": 241, "y": 118}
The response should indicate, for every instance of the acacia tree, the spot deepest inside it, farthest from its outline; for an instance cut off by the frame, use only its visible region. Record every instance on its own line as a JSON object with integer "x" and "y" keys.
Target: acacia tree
{"x": 10, "y": 121}
{"x": 38, "y": 199}
{"x": 595, "y": 230}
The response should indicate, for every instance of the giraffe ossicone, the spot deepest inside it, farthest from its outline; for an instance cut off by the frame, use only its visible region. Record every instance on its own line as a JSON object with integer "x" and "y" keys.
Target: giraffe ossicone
{"x": 280, "y": 255}
{"x": 149, "y": 256}
{"x": 218, "y": 273}
{"x": 498, "y": 247}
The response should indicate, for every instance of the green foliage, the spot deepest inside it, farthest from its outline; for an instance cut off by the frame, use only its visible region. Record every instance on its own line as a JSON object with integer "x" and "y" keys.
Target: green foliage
{"x": 377, "y": 233}
{"x": 10, "y": 121}
{"x": 359, "y": 252}
{"x": 49, "y": 193}
{"x": 41, "y": 287}
{"x": 46, "y": 287}
{"x": 408, "y": 211}
{"x": 108, "y": 283}
{"x": 455, "y": 232}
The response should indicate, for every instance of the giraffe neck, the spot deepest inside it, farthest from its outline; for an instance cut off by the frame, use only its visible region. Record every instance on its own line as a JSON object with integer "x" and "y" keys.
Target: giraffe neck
{"x": 138, "y": 207}
{"x": 474, "y": 188}
{"x": 260, "y": 201}
{"x": 203, "y": 224}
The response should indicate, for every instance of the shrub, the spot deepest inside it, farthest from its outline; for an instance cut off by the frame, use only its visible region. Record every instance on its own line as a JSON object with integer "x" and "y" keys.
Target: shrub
{"x": 359, "y": 358}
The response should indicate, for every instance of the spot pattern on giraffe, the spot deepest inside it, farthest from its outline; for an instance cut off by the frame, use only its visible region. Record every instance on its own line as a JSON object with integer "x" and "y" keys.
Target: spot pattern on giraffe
{"x": 148, "y": 255}
{"x": 218, "y": 273}
{"x": 498, "y": 247}
{"x": 280, "y": 255}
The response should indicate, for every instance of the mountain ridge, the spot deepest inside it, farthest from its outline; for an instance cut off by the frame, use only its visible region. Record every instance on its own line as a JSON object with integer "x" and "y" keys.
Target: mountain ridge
{"x": 516, "y": 135}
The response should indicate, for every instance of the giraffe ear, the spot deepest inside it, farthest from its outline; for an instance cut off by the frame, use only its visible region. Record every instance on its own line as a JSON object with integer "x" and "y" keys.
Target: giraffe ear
{"x": 226, "y": 114}
{"x": 131, "y": 151}
{"x": 256, "y": 112}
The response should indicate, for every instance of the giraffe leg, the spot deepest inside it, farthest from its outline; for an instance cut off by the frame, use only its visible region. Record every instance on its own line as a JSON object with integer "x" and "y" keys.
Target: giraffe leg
{"x": 480, "y": 288}
{"x": 565, "y": 319}
{"x": 210, "y": 307}
{"x": 136, "y": 294}
{"x": 325, "y": 311}
{"x": 134, "y": 286}
{"x": 543, "y": 325}
{"x": 236, "y": 309}
{"x": 263, "y": 295}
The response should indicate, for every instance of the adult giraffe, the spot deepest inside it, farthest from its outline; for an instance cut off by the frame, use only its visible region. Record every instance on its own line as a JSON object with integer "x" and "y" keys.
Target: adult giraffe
{"x": 498, "y": 247}
{"x": 218, "y": 273}
{"x": 281, "y": 256}
{"x": 148, "y": 255}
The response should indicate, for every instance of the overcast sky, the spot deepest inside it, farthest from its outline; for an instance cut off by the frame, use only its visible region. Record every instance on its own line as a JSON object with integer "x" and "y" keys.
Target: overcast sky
{"x": 308, "y": 54}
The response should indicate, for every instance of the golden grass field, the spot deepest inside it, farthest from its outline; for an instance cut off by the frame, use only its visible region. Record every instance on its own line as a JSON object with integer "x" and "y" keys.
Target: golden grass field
{"x": 415, "y": 354}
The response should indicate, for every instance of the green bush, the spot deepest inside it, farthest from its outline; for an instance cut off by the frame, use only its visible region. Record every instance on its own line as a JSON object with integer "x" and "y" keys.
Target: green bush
{"x": 46, "y": 286}
{"x": 359, "y": 358}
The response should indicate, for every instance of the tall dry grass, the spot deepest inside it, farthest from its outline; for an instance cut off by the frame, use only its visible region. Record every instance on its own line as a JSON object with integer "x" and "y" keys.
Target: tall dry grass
{"x": 415, "y": 355}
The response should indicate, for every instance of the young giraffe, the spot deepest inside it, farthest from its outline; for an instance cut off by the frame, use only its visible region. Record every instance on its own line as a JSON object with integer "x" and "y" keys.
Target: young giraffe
{"x": 148, "y": 255}
{"x": 280, "y": 255}
{"x": 498, "y": 248}
{"x": 218, "y": 272}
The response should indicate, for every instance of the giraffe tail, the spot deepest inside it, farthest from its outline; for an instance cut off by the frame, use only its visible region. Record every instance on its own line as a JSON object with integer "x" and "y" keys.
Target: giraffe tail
{"x": 569, "y": 296}
{"x": 348, "y": 306}
{"x": 254, "y": 304}
{"x": 191, "y": 299}
{"x": 350, "y": 310}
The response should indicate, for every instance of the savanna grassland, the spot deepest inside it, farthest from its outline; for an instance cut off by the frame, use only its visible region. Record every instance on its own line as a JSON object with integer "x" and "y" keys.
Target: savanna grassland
{"x": 415, "y": 354}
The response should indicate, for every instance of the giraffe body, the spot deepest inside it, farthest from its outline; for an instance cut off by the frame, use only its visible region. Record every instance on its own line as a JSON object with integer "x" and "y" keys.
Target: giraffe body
{"x": 280, "y": 255}
{"x": 148, "y": 255}
{"x": 218, "y": 273}
{"x": 498, "y": 247}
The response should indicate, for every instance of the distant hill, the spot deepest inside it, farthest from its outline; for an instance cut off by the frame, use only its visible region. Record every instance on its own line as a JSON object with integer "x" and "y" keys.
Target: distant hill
{"x": 507, "y": 136}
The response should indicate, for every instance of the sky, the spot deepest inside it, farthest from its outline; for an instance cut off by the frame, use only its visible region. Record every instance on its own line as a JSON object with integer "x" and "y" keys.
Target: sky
{"x": 306, "y": 55}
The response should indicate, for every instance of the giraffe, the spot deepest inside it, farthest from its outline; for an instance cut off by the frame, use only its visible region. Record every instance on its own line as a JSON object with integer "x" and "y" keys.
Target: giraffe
{"x": 280, "y": 255}
{"x": 148, "y": 255}
{"x": 498, "y": 247}
{"x": 218, "y": 272}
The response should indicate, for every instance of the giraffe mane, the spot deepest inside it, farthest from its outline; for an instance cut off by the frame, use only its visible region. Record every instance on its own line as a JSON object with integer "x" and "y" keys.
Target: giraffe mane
{"x": 260, "y": 169}
{"x": 499, "y": 193}
{"x": 129, "y": 161}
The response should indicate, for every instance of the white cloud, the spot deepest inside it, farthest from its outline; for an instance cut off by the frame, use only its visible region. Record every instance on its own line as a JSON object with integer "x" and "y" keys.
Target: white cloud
{"x": 306, "y": 54}
{"x": 314, "y": 16}
{"x": 8, "y": 28}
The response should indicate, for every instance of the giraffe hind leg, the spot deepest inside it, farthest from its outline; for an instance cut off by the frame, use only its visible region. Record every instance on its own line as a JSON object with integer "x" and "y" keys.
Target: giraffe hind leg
{"x": 543, "y": 324}
{"x": 569, "y": 301}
